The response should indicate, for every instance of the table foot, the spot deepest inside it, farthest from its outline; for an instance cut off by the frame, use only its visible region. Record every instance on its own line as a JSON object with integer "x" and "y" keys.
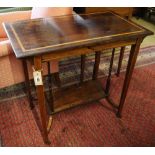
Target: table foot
{"x": 31, "y": 105}
{"x": 47, "y": 141}
{"x": 49, "y": 123}
{"x": 118, "y": 115}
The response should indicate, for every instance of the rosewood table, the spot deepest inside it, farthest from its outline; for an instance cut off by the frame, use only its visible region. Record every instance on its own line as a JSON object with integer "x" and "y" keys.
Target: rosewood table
{"x": 46, "y": 39}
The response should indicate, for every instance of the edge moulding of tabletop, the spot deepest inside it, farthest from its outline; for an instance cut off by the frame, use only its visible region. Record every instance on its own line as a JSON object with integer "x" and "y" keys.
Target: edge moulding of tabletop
{"x": 44, "y": 40}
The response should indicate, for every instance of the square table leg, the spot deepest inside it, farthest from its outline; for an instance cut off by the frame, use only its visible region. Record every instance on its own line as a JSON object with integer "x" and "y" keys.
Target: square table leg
{"x": 41, "y": 100}
{"x": 131, "y": 63}
{"x": 50, "y": 88}
{"x": 27, "y": 83}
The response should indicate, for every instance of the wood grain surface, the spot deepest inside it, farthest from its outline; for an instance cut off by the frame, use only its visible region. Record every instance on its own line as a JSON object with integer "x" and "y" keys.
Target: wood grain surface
{"x": 39, "y": 36}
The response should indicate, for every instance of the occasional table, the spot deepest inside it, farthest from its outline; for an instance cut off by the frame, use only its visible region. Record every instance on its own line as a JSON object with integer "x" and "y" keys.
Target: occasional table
{"x": 46, "y": 39}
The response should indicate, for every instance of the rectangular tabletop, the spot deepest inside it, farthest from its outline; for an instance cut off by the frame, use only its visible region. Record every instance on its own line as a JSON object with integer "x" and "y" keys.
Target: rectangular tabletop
{"x": 43, "y": 35}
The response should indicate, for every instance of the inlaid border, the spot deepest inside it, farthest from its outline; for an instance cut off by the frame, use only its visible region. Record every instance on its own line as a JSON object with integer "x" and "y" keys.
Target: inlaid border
{"x": 78, "y": 41}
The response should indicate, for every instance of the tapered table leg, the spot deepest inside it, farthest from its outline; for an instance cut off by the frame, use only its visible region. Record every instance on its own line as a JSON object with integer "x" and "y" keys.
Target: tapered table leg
{"x": 120, "y": 60}
{"x": 50, "y": 88}
{"x": 41, "y": 100}
{"x": 27, "y": 84}
{"x": 96, "y": 65}
{"x": 83, "y": 59}
{"x": 131, "y": 63}
{"x": 110, "y": 70}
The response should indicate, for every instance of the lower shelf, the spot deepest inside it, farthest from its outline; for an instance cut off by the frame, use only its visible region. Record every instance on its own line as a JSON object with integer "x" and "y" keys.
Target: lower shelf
{"x": 74, "y": 95}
